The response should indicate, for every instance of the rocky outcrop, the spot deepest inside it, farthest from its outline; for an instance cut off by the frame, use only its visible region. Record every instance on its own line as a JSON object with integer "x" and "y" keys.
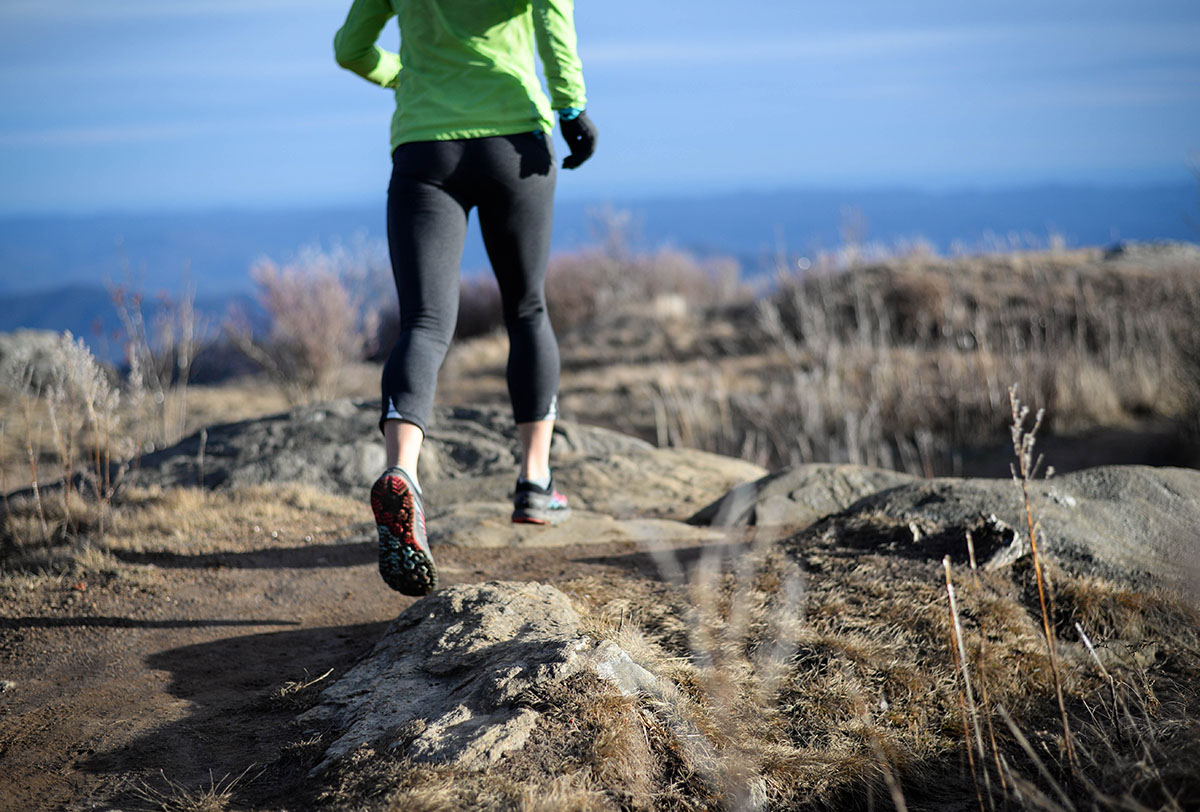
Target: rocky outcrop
{"x": 451, "y": 679}
{"x": 469, "y": 453}
{"x": 336, "y": 446}
{"x": 1131, "y": 523}
{"x": 462, "y": 678}
{"x": 487, "y": 524}
{"x": 650, "y": 482}
{"x": 797, "y": 496}
{"x": 1154, "y": 254}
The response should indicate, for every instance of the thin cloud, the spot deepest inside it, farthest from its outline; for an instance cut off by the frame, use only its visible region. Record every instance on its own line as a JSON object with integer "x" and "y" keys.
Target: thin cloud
{"x": 1114, "y": 39}
{"x": 180, "y": 130}
{"x": 266, "y": 65}
{"x": 1061, "y": 95}
{"x": 39, "y": 10}
{"x": 774, "y": 49}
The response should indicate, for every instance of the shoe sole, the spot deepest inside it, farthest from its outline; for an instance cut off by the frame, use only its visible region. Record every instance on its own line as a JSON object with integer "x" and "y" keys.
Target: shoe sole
{"x": 404, "y": 566}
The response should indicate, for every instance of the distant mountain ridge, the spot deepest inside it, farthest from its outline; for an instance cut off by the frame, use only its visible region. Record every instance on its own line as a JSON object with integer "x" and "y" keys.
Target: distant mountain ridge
{"x": 54, "y": 268}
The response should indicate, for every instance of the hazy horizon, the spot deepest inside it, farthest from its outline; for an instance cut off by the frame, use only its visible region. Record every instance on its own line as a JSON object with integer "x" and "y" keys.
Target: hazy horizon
{"x": 1187, "y": 175}
{"x": 43, "y": 252}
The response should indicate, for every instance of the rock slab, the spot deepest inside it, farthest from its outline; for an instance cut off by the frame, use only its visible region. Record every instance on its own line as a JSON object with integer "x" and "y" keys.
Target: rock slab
{"x": 487, "y": 525}
{"x": 469, "y": 454}
{"x": 336, "y": 446}
{"x": 1131, "y": 523}
{"x": 797, "y": 496}
{"x": 445, "y": 683}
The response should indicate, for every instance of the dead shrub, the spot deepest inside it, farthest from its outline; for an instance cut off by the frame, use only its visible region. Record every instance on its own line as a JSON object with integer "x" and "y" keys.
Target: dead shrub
{"x": 479, "y": 308}
{"x": 906, "y": 365}
{"x": 598, "y": 283}
{"x": 78, "y": 404}
{"x": 159, "y": 353}
{"x": 316, "y": 328}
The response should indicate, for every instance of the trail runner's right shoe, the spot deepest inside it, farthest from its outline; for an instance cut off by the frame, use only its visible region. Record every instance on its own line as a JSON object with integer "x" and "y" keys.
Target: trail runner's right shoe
{"x": 404, "y": 559}
{"x": 534, "y": 505}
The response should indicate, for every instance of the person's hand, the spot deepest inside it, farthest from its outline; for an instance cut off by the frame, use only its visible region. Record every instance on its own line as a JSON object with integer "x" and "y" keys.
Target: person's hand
{"x": 581, "y": 135}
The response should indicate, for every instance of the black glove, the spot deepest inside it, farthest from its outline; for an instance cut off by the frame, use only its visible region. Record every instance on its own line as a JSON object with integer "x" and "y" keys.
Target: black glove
{"x": 581, "y": 136}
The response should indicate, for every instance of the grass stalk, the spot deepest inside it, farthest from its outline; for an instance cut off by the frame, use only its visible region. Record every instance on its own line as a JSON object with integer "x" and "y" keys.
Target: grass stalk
{"x": 982, "y": 658}
{"x": 885, "y": 767}
{"x": 967, "y": 695}
{"x": 175, "y": 797}
{"x": 27, "y": 413}
{"x": 64, "y": 446}
{"x": 9, "y": 524}
{"x": 1037, "y": 762}
{"x": 1023, "y": 473}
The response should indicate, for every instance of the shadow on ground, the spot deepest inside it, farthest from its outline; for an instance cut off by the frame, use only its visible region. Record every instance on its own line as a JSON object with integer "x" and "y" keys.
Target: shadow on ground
{"x": 108, "y": 622}
{"x": 308, "y": 556}
{"x": 237, "y": 719}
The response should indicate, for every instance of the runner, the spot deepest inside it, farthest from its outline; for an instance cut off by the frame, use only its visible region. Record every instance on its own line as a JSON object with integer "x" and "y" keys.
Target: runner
{"x": 471, "y": 129}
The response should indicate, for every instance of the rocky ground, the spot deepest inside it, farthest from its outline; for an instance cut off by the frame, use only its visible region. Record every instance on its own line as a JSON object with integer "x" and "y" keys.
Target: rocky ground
{"x": 700, "y": 635}
{"x": 704, "y": 633}
{"x": 171, "y": 654}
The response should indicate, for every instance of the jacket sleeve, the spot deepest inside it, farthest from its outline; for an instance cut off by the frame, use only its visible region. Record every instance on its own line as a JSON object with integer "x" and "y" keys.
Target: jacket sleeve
{"x": 554, "y": 26}
{"x": 354, "y": 44}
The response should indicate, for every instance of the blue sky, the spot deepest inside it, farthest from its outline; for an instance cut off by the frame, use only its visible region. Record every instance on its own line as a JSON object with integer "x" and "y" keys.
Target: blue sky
{"x": 130, "y": 104}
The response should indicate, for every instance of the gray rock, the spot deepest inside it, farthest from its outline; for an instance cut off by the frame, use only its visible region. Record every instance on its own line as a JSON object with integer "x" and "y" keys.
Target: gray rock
{"x": 797, "y": 496}
{"x": 336, "y": 446}
{"x": 487, "y": 524}
{"x": 1136, "y": 524}
{"x": 1153, "y": 254}
{"x": 446, "y": 683}
{"x": 658, "y": 482}
{"x": 469, "y": 454}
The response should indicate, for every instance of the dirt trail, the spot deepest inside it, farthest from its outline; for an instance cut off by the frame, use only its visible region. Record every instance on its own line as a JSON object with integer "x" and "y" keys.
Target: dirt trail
{"x": 175, "y": 672}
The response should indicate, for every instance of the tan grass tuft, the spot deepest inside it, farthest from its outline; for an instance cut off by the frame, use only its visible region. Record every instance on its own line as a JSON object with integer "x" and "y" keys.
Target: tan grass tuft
{"x": 171, "y": 796}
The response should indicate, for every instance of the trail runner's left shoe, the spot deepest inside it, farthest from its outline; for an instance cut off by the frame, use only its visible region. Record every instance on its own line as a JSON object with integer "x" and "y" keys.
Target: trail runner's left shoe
{"x": 404, "y": 558}
{"x": 534, "y": 505}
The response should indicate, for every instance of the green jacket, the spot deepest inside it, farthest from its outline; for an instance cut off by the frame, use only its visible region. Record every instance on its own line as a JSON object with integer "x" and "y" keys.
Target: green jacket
{"x": 465, "y": 67}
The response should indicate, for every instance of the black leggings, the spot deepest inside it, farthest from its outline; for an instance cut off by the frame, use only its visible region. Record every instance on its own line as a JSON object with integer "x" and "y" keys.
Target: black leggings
{"x": 435, "y": 184}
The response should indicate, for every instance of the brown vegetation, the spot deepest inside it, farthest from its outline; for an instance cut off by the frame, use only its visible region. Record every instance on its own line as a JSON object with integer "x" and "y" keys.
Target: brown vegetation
{"x": 316, "y": 328}
{"x": 904, "y": 364}
{"x": 873, "y": 678}
{"x": 856, "y": 702}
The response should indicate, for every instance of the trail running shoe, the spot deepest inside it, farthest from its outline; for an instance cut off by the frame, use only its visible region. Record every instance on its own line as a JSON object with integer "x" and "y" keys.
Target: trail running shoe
{"x": 534, "y": 505}
{"x": 404, "y": 559}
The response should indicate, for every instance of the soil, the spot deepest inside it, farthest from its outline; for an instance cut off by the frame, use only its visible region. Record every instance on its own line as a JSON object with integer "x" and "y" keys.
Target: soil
{"x": 170, "y": 672}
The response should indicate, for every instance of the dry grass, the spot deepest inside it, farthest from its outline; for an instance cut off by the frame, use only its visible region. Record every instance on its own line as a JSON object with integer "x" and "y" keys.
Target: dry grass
{"x": 159, "y": 355}
{"x": 842, "y": 695}
{"x": 903, "y": 364}
{"x": 297, "y": 695}
{"x": 853, "y": 691}
{"x": 167, "y": 795}
{"x": 180, "y": 521}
